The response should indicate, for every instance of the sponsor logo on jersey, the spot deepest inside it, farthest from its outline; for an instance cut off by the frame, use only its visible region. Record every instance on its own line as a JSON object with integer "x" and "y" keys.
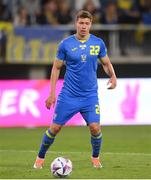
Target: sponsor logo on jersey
{"x": 74, "y": 49}
{"x": 82, "y": 46}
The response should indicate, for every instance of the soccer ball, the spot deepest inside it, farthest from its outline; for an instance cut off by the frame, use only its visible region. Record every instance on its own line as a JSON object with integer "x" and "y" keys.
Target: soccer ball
{"x": 61, "y": 167}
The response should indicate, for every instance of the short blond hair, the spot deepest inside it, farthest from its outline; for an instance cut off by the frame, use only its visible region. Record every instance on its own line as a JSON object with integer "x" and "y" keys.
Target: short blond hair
{"x": 84, "y": 14}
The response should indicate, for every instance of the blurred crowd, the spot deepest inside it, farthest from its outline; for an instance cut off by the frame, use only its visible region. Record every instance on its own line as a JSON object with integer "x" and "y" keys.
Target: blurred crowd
{"x": 61, "y": 12}
{"x": 55, "y": 12}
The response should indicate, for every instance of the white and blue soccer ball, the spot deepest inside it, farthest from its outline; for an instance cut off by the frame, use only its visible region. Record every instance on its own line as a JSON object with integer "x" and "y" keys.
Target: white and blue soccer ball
{"x": 61, "y": 167}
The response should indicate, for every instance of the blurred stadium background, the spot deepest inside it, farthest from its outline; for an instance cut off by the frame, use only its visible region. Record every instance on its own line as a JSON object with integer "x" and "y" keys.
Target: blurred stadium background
{"x": 30, "y": 31}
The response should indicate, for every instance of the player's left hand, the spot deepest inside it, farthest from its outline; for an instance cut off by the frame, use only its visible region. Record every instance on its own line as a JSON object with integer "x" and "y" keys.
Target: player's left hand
{"x": 112, "y": 83}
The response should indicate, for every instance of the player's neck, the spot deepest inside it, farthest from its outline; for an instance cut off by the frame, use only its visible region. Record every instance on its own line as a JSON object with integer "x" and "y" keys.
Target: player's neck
{"x": 79, "y": 37}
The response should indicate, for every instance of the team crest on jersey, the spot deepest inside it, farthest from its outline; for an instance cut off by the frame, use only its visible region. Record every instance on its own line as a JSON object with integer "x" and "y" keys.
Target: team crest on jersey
{"x": 83, "y": 57}
{"x": 82, "y": 46}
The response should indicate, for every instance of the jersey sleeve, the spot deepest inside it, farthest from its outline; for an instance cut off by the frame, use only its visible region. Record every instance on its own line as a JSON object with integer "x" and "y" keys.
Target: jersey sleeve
{"x": 103, "y": 49}
{"x": 61, "y": 52}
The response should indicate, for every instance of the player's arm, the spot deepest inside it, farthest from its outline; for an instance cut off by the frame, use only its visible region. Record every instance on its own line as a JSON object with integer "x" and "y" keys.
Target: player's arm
{"x": 53, "y": 80}
{"x": 109, "y": 70}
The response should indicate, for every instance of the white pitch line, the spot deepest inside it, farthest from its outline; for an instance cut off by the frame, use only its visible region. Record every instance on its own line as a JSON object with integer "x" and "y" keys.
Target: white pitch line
{"x": 76, "y": 152}
{"x": 128, "y": 153}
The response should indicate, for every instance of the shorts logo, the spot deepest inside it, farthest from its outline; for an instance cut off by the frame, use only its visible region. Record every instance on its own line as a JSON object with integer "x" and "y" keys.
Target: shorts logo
{"x": 54, "y": 116}
{"x": 97, "y": 109}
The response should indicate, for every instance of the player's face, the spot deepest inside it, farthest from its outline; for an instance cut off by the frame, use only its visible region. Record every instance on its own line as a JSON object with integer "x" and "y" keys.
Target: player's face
{"x": 83, "y": 26}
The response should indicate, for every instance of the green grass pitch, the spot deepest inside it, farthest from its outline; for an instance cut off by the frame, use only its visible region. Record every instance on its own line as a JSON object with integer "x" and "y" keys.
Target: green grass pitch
{"x": 126, "y": 152}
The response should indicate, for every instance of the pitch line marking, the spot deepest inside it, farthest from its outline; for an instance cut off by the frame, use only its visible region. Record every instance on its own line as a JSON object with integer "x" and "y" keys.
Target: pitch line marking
{"x": 76, "y": 152}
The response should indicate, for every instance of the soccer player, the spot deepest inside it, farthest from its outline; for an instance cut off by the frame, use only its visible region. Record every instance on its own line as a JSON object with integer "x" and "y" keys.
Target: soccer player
{"x": 80, "y": 53}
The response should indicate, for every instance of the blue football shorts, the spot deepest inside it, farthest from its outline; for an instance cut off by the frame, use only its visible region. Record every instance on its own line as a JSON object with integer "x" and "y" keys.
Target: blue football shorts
{"x": 66, "y": 108}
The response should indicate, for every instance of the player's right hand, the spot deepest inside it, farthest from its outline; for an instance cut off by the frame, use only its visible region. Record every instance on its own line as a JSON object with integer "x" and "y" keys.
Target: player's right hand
{"x": 50, "y": 101}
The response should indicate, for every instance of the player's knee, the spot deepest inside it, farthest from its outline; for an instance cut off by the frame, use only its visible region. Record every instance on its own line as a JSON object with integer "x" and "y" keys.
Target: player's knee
{"x": 55, "y": 128}
{"x": 95, "y": 129}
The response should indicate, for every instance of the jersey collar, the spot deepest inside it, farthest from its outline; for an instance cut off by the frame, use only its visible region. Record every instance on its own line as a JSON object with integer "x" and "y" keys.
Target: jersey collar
{"x": 83, "y": 40}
